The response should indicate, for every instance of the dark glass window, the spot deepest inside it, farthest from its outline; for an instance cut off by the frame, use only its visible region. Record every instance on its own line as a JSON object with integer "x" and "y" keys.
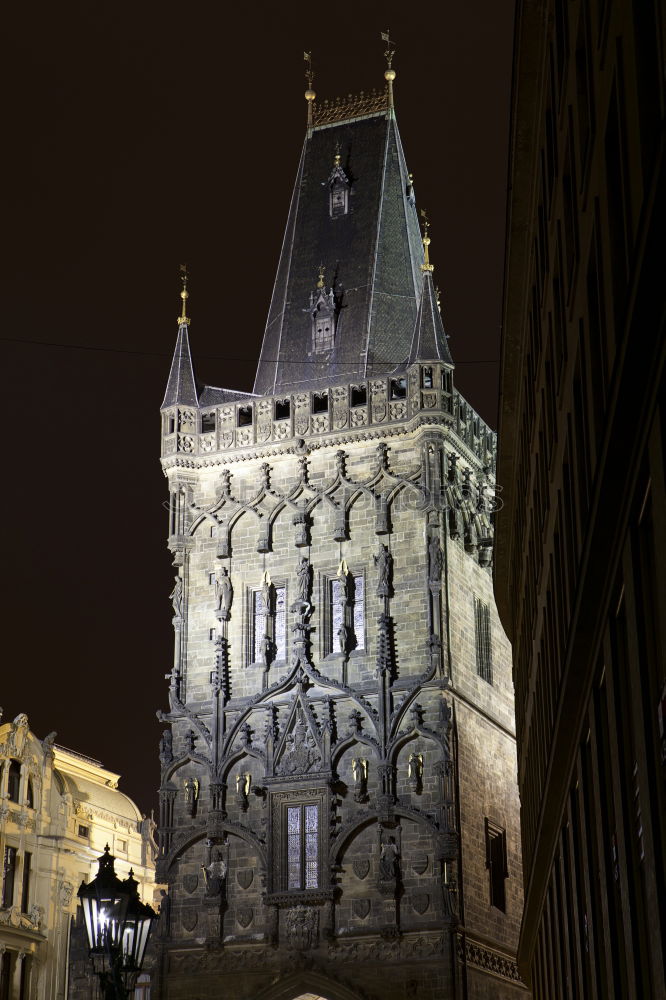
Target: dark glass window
{"x": 484, "y": 660}
{"x": 83, "y": 831}
{"x": 302, "y": 847}
{"x": 496, "y": 865}
{"x": 282, "y": 409}
{"x": 14, "y": 782}
{"x": 25, "y": 887}
{"x": 427, "y": 378}
{"x": 30, "y": 795}
{"x": 359, "y": 395}
{"x": 244, "y": 416}
{"x": 320, "y": 402}
{"x": 398, "y": 388}
{"x": 207, "y": 422}
{"x": 8, "y": 876}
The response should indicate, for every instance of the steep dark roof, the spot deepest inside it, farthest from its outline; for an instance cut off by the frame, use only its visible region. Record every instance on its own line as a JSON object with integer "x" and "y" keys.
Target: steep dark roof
{"x": 429, "y": 342}
{"x": 181, "y": 387}
{"x": 371, "y": 257}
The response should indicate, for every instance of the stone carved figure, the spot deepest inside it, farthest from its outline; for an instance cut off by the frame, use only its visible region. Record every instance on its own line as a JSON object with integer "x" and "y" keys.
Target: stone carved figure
{"x": 176, "y": 596}
{"x": 165, "y": 914}
{"x": 360, "y": 775}
{"x": 388, "y": 860}
{"x": 384, "y": 563}
{"x": 191, "y": 786}
{"x": 435, "y": 560}
{"x": 415, "y": 770}
{"x": 243, "y": 783}
{"x": 303, "y": 575}
{"x": 266, "y": 593}
{"x": 266, "y": 651}
{"x": 224, "y": 591}
{"x": 214, "y": 874}
{"x": 166, "y": 747}
{"x": 343, "y": 639}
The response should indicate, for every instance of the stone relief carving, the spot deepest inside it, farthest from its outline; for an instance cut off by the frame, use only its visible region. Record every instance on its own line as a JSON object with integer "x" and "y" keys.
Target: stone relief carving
{"x": 244, "y": 877}
{"x": 190, "y": 882}
{"x": 300, "y": 752}
{"x": 435, "y": 560}
{"x": 244, "y": 915}
{"x": 166, "y": 747}
{"x": 415, "y": 771}
{"x": 302, "y": 927}
{"x": 361, "y": 867}
{"x": 214, "y": 874}
{"x": 361, "y": 908}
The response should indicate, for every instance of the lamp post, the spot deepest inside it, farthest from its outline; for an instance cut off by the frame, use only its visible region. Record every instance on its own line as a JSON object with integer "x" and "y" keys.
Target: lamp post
{"x": 118, "y": 926}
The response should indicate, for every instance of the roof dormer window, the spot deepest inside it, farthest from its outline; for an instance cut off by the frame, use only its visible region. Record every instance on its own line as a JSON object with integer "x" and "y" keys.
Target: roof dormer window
{"x": 338, "y": 188}
{"x": 323, "y": 310}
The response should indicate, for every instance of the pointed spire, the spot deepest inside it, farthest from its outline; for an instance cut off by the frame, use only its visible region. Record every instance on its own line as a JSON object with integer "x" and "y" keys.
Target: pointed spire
{"x": 429, "y": 341}
{"x": 181, "y": 386}
{"x": 389, "y": 75}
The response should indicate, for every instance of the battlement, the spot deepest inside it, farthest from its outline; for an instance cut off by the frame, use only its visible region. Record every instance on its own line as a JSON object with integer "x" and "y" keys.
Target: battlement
{"x": 424, "y": 394}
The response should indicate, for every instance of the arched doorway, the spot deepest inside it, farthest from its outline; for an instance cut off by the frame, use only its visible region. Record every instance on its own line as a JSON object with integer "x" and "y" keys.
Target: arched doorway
{"x": 307, "y": 985}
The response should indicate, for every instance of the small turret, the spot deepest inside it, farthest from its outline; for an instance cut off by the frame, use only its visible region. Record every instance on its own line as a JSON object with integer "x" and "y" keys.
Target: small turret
{"x": 429, "y": 342}
{"x": 181, "y": 386}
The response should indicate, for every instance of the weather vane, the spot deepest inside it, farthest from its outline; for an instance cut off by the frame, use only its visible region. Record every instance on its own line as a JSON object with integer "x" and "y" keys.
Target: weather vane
{"x": 390, "y": 47}
{"x": 184, "y": 274}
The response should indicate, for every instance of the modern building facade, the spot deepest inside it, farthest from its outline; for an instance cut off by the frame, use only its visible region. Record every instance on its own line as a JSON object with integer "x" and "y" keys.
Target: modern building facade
{"x": 338, "y": 806}
{"x": 578, "y": 542}
{"x": 58, "y": 810}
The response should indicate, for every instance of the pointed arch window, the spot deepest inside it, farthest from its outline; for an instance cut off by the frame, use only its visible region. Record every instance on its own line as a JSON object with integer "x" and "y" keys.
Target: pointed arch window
{"x": 303, "y": 846}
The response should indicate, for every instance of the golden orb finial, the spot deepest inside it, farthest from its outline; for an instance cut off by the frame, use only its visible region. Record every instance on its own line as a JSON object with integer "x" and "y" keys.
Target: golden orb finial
{"x": 320, "y": 281}
{"x": 184, "y": 318}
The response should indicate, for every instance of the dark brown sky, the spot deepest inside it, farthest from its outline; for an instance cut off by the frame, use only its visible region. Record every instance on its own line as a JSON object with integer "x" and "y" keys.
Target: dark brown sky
{"x": 138, "y": 136}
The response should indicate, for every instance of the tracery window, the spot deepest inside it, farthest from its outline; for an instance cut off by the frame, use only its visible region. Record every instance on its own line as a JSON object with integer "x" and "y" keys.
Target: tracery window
{"x": 302, "y": 846}
{"x": 269, "y": 625}
{"x": 496, "y": 864}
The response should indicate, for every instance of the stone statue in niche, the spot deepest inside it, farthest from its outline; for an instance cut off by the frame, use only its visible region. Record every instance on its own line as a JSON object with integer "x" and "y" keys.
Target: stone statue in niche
{"x": 243, "y": 782}
{"x": 343, "y": 639}
{"x": 384, "y": 563}
{"x": 415, "y": 771}
{"x": 165, "y": 914}
{"x": 266, "y": 651}
{"x": 303, "y": 576}
{"x": 224, "y": 593}
{"x": 389, "y": 868}
{"x": 360, "y": 774}
{"x": 435, "y": 560}
{"x": 176, "y": 596}
{"x": 266, "y": 587}
{"x": 191, "y": 787}
{"x": 166, "y": 747}
{"x": 214, "y": 874}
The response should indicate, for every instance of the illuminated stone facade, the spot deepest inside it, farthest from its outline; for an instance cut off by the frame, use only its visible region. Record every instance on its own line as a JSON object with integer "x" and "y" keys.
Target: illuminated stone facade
{"x": 338, "y": 808}
{"x": 58, "y": 809}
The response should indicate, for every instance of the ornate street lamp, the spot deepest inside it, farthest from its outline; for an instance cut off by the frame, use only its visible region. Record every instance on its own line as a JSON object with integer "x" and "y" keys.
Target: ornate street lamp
{"x": 118, "y": 926}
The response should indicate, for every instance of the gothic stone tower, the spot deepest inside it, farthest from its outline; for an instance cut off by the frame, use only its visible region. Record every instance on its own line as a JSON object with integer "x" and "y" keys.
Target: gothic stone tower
{"x": 339, "y": 813}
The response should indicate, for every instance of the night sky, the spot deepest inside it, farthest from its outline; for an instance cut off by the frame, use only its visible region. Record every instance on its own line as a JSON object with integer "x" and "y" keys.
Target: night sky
{"x": 138, "y": 136}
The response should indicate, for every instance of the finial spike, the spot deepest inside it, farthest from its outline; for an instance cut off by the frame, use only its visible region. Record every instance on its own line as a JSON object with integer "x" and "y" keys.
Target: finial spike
{"x": 389, "y": 74}
{"x": 426, "y": 265}
{"x": 309, "y": 93}
{"x": 320, "y": 282}
{"x": 184, "y": 318}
